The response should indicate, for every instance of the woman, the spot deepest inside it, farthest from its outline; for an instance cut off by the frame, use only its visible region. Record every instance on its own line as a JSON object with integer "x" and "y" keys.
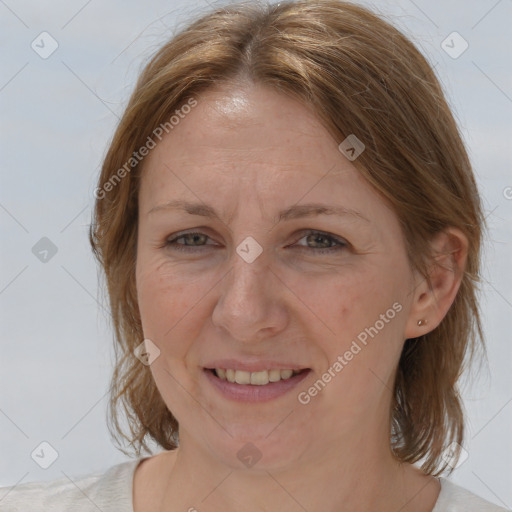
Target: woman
{"x": 290, "y": 231}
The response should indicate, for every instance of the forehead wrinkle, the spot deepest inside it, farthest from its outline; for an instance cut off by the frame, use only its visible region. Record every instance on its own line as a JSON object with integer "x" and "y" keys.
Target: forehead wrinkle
{"x": 200, "y": 209}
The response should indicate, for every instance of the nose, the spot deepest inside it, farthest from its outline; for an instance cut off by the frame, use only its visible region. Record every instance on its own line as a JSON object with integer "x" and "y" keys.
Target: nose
{"x": 250, "y": 306}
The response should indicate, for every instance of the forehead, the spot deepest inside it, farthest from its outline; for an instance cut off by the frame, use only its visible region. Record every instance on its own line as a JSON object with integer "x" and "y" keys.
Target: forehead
{"x": 252, "y": 123}
{"x": 239, "y": 144}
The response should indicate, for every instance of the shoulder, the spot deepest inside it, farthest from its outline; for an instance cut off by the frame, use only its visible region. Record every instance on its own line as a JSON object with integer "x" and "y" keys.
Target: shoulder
{"x": 453, "y": 498}
{"x": 108, "y": 491}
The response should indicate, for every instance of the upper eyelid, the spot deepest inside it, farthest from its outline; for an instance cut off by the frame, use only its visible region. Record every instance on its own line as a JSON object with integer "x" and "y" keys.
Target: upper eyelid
{"x": 194, "y": 232}
{"x": 304, "y": 232}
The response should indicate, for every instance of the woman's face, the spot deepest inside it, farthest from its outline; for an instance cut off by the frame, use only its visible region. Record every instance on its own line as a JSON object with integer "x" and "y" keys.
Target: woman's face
{"x": 296, "y": 264}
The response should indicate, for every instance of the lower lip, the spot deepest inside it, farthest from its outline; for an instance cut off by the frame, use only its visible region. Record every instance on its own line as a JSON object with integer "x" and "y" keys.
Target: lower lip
{"x": 253, "y": 393}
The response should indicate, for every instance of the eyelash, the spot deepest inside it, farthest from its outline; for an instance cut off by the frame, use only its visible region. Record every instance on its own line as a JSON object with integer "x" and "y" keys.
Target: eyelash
{"x": 340, "y": 244}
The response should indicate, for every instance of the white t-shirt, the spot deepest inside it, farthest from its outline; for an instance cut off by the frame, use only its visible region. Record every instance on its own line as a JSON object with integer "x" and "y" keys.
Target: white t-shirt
{"x": 112, "y": 492}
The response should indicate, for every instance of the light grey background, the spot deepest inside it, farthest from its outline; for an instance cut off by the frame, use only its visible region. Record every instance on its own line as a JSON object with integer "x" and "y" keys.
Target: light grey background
{"x": 58, "y": 115}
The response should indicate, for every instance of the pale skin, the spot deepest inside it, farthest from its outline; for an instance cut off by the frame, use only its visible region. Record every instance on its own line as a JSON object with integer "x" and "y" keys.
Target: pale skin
{"x": 249, "y": 152}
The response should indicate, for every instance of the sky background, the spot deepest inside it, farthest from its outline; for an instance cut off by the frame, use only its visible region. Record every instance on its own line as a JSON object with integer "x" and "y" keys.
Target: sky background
{"x": 57, "y": 116}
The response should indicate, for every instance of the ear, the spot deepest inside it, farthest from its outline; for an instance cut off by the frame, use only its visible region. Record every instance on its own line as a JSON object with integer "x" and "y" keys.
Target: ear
{"x": 431, "y": 301}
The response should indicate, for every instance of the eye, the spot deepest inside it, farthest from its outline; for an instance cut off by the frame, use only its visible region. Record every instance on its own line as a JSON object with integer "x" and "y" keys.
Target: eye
{"x": 316, "y": 241}
{"x": 191, "y": 241}
{"x": 321, "y": 242}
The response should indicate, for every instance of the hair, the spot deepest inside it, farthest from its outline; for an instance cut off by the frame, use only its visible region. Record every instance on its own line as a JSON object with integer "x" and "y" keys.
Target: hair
{"x": 361, "y": 76}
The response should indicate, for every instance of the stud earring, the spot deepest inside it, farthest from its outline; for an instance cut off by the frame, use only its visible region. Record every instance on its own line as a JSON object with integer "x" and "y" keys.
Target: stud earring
{"x": 422, "y": 322}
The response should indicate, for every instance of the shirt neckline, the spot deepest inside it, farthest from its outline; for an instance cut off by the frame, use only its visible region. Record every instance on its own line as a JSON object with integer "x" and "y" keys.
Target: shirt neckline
{"x": 135, "y": 464}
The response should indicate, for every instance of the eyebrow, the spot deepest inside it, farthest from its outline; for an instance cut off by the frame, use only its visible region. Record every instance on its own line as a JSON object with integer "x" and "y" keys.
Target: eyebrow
{"x": 293, "y": 212}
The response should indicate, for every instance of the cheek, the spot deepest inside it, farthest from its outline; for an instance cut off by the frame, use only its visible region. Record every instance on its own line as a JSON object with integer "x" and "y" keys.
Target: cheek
{"x": 340, "y": 305}
{"x": 359, "y": 316}
{"x": 166, "y": 302}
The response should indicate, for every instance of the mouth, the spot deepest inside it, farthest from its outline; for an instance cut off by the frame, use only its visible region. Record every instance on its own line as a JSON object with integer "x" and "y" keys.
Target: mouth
{"x": 258, "y": 386}
{"x": 260, "y": 378}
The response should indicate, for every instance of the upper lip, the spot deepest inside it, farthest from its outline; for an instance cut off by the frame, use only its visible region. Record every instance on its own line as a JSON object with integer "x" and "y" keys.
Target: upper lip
{"x": 254, "y": 366}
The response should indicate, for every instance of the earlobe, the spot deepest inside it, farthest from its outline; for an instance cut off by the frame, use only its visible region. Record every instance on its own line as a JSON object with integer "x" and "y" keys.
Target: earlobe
{"x": 433, "y": 297}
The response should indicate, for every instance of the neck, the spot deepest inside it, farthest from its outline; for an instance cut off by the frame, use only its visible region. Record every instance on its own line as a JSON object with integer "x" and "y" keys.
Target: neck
{"x": 359, "y": 475}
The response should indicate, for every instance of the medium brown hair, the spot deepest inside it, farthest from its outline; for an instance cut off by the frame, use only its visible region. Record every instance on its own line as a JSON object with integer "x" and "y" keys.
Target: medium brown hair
{"x": 361, "y": 76}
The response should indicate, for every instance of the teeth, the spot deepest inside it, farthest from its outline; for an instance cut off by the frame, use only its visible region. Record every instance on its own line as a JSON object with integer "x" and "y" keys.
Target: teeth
{"x": 254, "y": 378}
{"x": 286, "y": 374}
{"x": 242, "y": 377}
{"x": 259, "y": 378}
{"x": 274, "y": 375}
